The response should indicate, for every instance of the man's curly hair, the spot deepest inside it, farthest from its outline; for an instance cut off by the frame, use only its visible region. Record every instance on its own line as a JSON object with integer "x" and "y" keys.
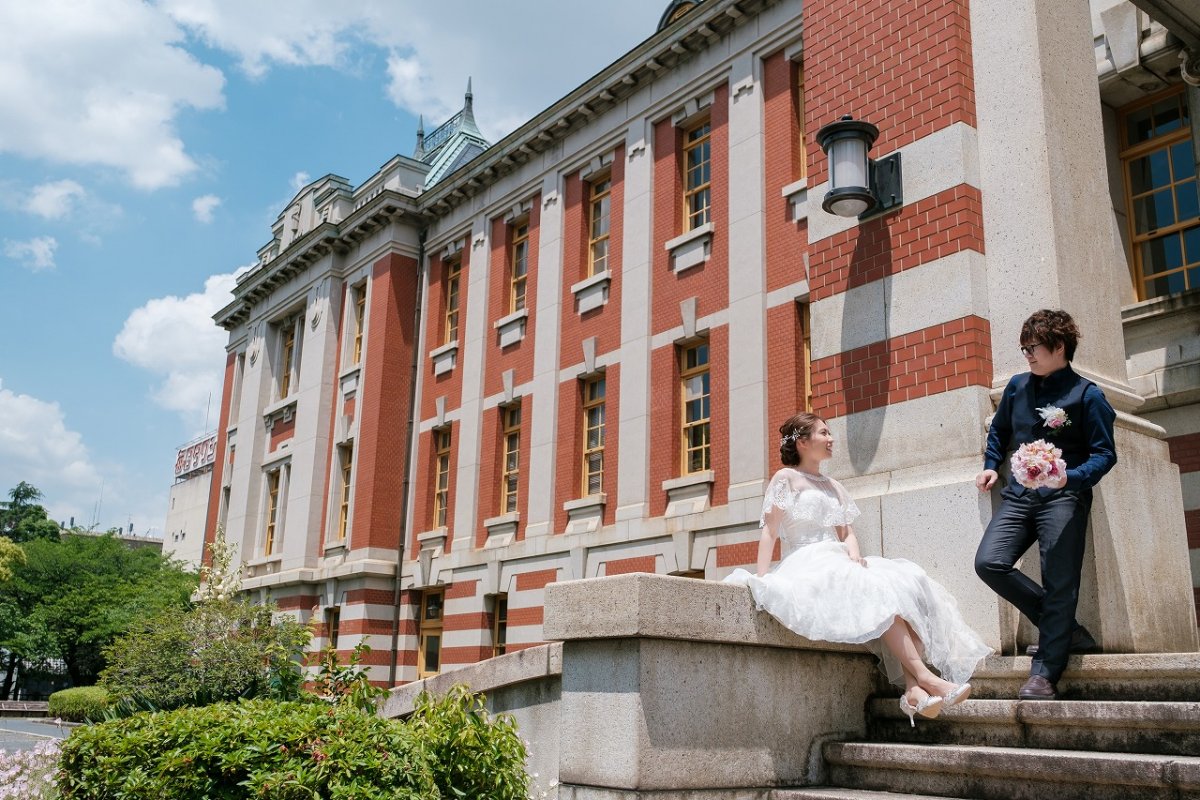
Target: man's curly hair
{"x": 1051, "y": 328}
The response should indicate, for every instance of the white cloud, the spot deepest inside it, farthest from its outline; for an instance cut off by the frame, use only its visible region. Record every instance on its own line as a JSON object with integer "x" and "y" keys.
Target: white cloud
{"x": 176, "y": 339}
{"x": 204, "y": 206}
{"x": 54, "y": 200}
{"x": 34, "y": 254}
{"x": 299, "y": 181}
{"x": 36, "y": 446}
{"x": 100, "y": 83}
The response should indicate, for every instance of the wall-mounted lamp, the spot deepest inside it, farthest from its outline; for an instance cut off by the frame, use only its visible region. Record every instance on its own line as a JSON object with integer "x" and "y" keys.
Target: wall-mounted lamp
{"x": 858, "y": 185}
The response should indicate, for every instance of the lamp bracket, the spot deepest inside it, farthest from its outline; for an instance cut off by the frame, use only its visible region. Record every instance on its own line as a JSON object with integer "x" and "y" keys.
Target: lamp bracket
{"x": 887, "y": 184}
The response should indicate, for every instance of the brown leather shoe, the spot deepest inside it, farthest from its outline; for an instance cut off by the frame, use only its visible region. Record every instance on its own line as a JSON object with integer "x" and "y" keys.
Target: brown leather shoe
{"x": 1037, "y": 688}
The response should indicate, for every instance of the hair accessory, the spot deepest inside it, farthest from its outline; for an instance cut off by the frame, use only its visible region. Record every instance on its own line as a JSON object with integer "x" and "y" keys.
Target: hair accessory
{"x": 791, "y": 437}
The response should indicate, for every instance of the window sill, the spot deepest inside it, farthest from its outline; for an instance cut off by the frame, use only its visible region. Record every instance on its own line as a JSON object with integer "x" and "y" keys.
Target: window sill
{"x": 348, "y": 380}
{"x": 434, "y": 540}
{"x": 689, "y": 494}
{"x": 797, "y": 196}
{"x": 691, "y": 249}
{"x": 284, "y": 409}
{"x": 592, "y": 293}
{"x": 444, "y": 358}
{"x": 512, "y": 327}
{"x": 585, "y": 515}
{"x": 264, "y": 565}
{"x": 502, "y": 530}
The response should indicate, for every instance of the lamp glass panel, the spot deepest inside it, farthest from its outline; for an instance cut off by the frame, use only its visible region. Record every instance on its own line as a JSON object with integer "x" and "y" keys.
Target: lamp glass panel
{"x": 849, "y": 207}
{"x": 848, "y": 163}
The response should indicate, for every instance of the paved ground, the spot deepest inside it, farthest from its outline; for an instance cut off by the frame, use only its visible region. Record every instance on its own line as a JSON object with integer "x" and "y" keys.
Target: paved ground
{"x": 24, "y": 734}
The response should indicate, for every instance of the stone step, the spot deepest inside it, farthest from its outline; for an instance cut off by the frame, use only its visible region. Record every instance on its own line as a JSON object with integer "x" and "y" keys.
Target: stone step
{"x": 1103, "y": 725}
{"x": 836, "y": 793}
{"x": 1011, "y": 773}
{"x": 1151, "y": 676}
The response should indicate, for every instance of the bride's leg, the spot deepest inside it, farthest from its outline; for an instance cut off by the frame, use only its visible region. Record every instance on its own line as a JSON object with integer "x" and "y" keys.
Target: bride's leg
{"x": 906, "y": 647}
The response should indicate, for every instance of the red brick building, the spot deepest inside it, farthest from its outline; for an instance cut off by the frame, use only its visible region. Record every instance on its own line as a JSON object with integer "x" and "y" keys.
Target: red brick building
{"x": 564, "y": 355}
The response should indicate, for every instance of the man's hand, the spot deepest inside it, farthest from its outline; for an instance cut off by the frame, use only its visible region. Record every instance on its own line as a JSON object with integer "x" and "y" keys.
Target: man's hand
{"x": 986, "y": 479}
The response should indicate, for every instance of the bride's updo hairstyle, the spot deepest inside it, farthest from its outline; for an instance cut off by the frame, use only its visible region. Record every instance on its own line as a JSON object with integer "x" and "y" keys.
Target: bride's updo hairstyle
{"x": 796, "y": 428}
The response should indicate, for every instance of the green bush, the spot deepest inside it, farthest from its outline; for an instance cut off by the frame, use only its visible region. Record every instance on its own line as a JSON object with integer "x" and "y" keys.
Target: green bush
{"x": 250, "y": 749}
{"x": 80, "y": 704}
{"x": 474, "y": 755}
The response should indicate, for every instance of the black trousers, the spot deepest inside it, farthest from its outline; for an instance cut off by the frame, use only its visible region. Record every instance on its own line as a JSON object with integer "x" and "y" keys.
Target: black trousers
{"x": 1058, "y": 523}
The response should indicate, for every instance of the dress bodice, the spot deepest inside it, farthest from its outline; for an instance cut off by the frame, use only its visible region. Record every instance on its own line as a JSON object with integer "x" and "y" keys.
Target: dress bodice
{"x": 803, "y": 509}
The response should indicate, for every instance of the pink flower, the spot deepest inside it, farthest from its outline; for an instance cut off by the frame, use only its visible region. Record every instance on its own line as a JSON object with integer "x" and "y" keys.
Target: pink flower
{"x": 1039, "y": 465}
{"x": 1053, "y": 417}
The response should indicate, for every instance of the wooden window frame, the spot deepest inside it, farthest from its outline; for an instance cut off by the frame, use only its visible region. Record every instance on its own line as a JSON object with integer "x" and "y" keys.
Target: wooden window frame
{"x": 441, "y": 475}
{"x": 799, "y": 146}
{"x": 599, "y": 208}
{"x": 429, "y": 628}
{"x": 346, "y": 454}
{"x": 452, "y": 286}
{"x": 289, "y": 353}
{"x": 359, "y": 294}
{"x": 510, "y": 445}
{"x": 687, "y": 373}
{"x": 593, "y": 419}
{"x": 274, "y": 487}
{"x": 695, "y": 189}
{"x": 1129, "y": 154}
{"x": 333, "y": 623}
{"x": 804, "y": 325}
{"x": 499, "y": 624}
{"x": 518, "y": 260}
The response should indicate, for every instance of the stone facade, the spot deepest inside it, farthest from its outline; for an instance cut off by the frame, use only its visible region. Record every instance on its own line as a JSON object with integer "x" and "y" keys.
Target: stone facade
{"x": 567, "y": 358}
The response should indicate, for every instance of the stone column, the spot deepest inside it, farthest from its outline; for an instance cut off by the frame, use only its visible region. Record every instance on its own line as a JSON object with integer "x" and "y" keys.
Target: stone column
{"x": 1048, "y": 235}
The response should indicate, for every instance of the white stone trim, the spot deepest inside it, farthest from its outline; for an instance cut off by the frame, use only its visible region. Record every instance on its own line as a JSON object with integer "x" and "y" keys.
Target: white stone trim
{"x": 934, "y": 292}
{"x": 349, "y": 380}
{"x": 796, "y": 194}
{"x": 677, "y": 334}
{"x": 689, "y": 494}
{"x": 591, "y": 293}
{"x": 512, "y": 327}
{"x": 792, "y": 293}
{"x": 434, "y": 540}
{"x": 502, "y": 529}
{"x": 585, "y": 515}
{"x": 691, "y": 249}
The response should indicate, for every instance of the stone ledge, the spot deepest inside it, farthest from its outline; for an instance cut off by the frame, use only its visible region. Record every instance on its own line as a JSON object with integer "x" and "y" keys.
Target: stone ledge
{"x": 641, "y": 605}
{"x": 530, "y": 664}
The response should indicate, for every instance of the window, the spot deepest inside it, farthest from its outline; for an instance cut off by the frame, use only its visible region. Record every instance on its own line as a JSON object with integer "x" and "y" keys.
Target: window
{"x": 519, "y": 267}
{"x": 290, "y": 331}
{"x": 697, "y": 175}
{"x": 799, "y": 154}
{"x": 333, "y": 621}
{"x": 450, "y": 288}
{"x": 360, "y": 319}
{"x": 593, "y": 436}
{"x": 804, "y": 373}
{"x": 599, "y": 213}
{"x": 500, "y": 625}
{"x": 347, "y": 467}
{"x": 510, "y": 417}
{"x": 441, "y": 476}
{"x": 694, "y": 391}
{"x": 272, "y": 519}
{"x": 430, "y": 639}
{"x": 1161, "y": 195}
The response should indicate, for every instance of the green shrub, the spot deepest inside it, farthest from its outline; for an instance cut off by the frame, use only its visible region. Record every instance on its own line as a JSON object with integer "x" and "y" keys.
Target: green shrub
{"x": 80, "y": 704}
{"x": 250, "y": 749}
{"x": 474, "y": 755}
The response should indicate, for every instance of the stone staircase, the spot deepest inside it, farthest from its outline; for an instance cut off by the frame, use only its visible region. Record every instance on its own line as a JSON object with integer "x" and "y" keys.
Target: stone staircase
{"x": 1127, "y": 727}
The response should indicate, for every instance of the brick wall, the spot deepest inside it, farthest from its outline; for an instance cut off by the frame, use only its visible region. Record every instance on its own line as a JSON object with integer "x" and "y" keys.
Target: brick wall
{"x": 519, "y": 356}
{"x": 214, "y": 492}
{"x": 786, "y": 240}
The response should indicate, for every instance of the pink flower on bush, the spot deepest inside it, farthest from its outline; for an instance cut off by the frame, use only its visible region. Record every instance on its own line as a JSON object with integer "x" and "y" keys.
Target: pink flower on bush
{"x": 1039, "y": 465}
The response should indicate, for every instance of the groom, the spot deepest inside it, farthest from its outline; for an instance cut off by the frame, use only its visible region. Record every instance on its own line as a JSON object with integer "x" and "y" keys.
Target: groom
{"x": 1053, "y": 403}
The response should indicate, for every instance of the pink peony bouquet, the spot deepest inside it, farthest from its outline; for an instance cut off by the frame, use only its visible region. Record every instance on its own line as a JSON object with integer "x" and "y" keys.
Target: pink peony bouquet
{"x": 1039, "y": 465}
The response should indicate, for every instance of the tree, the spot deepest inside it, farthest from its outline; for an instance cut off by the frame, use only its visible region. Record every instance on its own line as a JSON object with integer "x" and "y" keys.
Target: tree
{"x": 223, "y": 648}
{"x": 22, "y": 519}
{"x": 72, "y": 598}
{"x": 10, "y": 556}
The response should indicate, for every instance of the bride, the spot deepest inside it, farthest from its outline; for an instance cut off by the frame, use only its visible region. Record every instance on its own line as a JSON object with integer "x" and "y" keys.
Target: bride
{"x": 824, "y": 589}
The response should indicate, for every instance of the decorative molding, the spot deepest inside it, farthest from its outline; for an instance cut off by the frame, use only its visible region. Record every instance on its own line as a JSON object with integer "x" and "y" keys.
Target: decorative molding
{"x": 585, "y": 515}
{"x": 444, "y": 358}
{"x": 690, "y": 494}
{"x": 687, "y": 316}
{"x": 592, "y": 293}
{"x": 692, "y": 248}
{"x": 501, "y": 530}
{"x": 440, "y": 405}
{"x": 507, "y": 378}
{"x": 589, "y": 355}
{"x": 512, "y": 327}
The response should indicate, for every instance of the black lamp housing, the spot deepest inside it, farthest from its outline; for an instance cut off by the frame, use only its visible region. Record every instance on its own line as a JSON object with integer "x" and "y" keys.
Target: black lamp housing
{"x": 859, "y": 186}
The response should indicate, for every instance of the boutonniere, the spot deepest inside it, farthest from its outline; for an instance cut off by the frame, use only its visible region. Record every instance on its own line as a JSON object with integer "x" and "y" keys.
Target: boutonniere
{"x": 1054, "y": 417}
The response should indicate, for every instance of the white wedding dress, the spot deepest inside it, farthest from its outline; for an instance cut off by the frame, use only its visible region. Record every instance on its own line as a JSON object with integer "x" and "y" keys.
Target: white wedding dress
{"x": 818, "y": 592}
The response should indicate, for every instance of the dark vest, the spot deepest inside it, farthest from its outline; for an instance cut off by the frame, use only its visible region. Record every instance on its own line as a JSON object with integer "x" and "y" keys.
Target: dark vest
{"x": 1063, "y": 389}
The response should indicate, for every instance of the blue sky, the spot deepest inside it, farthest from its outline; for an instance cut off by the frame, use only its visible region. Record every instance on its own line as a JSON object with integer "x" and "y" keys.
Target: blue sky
{"x": 145, "y": 150}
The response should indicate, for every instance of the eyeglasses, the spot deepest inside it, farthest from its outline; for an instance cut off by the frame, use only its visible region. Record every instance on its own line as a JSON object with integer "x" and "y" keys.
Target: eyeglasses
{"x": 1027, "y": 350}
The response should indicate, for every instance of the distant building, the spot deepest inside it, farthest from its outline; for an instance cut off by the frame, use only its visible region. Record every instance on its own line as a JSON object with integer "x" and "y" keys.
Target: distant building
{"x": 187, "y": 517}
{"x": 565, "y": 355}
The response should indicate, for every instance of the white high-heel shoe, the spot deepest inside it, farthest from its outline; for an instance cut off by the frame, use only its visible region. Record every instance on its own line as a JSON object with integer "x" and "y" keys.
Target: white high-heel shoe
{"x": 957, "y": 694}
{"x": 929, "y": 708}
